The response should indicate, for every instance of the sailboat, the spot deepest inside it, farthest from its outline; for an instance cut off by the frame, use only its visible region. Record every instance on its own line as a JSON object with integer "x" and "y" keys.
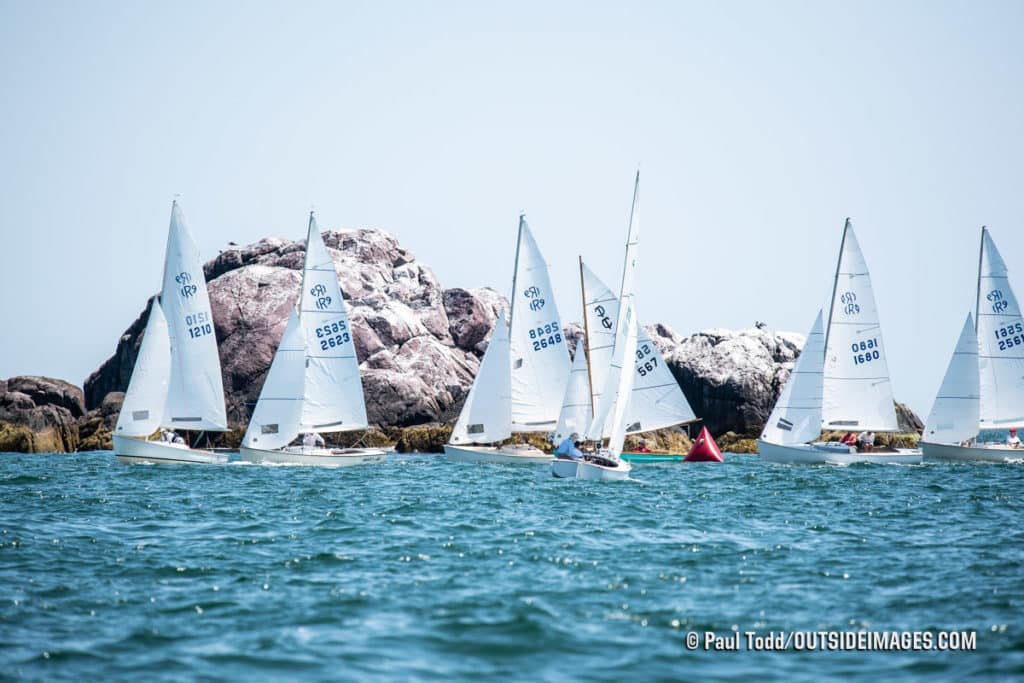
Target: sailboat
{"x": 840, "y": 380}
{"x": 313, "y": 385}
{"x": 176, "y": 382}
{"x": 656, "y": 401}
{"x": 984, "y": 384}
{"x": 522, "y": 374}
{"x": 611, "y": 365}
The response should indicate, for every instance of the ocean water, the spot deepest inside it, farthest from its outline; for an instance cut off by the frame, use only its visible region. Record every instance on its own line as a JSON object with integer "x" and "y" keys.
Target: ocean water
{"x": 422, "y": 569}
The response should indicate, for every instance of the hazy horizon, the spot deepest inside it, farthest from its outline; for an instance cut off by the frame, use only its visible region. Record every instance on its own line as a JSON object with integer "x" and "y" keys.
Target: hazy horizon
{"x": 757, "y": 128}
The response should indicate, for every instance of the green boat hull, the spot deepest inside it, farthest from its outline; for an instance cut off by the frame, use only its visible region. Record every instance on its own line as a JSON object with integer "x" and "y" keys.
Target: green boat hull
{"x": 653, "y": 457}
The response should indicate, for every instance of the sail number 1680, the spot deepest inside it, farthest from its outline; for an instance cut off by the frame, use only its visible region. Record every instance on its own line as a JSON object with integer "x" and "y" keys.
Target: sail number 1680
{"x": 865, "y": 351}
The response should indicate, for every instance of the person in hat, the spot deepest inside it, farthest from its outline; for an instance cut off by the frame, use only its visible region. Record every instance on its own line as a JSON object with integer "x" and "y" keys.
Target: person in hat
{"x": 1011, "y": 440}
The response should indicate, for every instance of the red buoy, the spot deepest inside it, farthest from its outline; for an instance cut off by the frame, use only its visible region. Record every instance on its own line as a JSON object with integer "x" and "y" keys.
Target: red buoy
{"x": 704, "y": 449}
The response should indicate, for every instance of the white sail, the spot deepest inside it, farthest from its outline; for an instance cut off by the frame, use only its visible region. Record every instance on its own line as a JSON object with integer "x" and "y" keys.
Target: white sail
{"x": 657, "y": 401}
{"x": 540, "y": 357}
{"x": 625, "y": 349}
{"x": 954, "y": 415}
{"x": 486, "y": 415}
{"x": 576, "y": 411}
{"x": 275, "y": 420}
{"x": 601, "y": 310}
{"x": 796, "y": 418}
{"x": 333, "y": 389}
{"x": 857, "y": 394}
{"x": 1000, "y": 342}
{"x": 143, "y": 406}
{"x": 195, "y": 394}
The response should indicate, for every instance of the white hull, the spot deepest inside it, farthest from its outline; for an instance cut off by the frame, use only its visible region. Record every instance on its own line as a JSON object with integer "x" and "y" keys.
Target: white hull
{"x": 503, "y": 455}
{"x": 135, "y": 451}
{"x": 314, "y": 457}
{"x": 583, "y": 469}
{"x": 832, "y": 454}
{"x": 563, "y": 469}
{"x": 594, "y": 472}
{"x": 994, "y": 453}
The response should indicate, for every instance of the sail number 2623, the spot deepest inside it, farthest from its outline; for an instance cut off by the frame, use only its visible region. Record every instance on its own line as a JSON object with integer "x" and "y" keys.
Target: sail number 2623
{"x": 332, "y": 335}
{"x": 865, "y": 351}
{"x": 544, "y": 336}
{"x": 1010, "y": 336}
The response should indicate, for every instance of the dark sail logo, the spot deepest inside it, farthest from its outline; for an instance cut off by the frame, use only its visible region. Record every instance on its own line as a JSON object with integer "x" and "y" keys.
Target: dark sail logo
{"x": 849, "y": 302}
{"x": 602, "y": 315}
{"x": 999, "y": 304}
{"x": 322, "y": 302}
{"x": 187, "y": 288}
{"x": 533, "y": 294}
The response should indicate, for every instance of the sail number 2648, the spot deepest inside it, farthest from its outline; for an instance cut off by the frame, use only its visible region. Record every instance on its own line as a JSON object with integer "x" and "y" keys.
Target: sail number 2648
{"x": 332, "y": 335}
{"x": 1010, "y": 336}
{"x": 865, "y": 351}
{"x": 544, "y": 336}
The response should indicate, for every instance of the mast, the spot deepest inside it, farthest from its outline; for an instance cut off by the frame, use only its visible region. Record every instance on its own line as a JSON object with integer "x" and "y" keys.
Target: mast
{"x": 515, "y": 272}
{"x": 629, "y": 237}
{"x": 305, "y": 264}
{"x": 586, "y": 338}
{"x": 977, "y": 296}
{"x": 835, "y": 283}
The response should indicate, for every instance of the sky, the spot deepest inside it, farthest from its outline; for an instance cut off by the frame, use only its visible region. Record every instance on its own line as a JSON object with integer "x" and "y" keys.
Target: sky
{"x": 757, "y": 127}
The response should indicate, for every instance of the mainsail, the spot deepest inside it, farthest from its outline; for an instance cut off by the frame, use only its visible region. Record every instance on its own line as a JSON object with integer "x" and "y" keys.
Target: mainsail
{"x": 955, "y": 413}
{"x": 485, "y": 417}
{"x": 857, "y": 394}
{"x": 333, "y": 389}
{"x": 195, "y": 394}
{"x": 143, "y": 408}
{"x": 1000, "y": 330}
{"x": 540, "y": 359}
{"x": 275, "y": 419}
{"x": 796, "y": 418}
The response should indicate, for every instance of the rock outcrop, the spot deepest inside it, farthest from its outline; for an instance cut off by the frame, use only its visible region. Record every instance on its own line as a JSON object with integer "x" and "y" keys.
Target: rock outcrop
{"x": 419, "y": 345}
{"x": 39, "y": 414}
{"x": 730, "y": 377}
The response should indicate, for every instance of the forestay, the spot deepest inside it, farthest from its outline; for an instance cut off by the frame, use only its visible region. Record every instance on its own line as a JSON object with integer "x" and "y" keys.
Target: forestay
{"x": 540, "y": 359}
{"x": 275, "y": 420}
{"x": 486, "y": 415}
{"x": 576, "y": 411}
{"x": 333, "y": 390}
{"x": 143, "y": 408}
{"x": 796, "y": 418}
{"x": 195, "y": 394}
{"x": 955, "y": 413}
{"x": 1000, "y": 342}
{"x": 657, "y": 401}
{"x": 857, "y": 394}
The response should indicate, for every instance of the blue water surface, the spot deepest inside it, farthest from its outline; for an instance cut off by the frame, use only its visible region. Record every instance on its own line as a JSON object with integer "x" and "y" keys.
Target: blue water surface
{"x": 421, "y": 569}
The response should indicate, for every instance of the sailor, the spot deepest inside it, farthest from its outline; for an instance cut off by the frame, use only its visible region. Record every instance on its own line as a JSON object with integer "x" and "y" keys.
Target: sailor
{"x": 169, "y": 436}
{"x": 642, "y": 447}
{"x": 567, "y": 446}
{"x": 177, "y": 438}
{"x": 1011, "y": 440}
{"x": 312, "y": 440}
{"x": 866, "y": 441}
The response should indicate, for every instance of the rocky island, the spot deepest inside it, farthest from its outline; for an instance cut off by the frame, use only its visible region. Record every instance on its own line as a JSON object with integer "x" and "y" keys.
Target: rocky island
{"x": 419, "y": 347}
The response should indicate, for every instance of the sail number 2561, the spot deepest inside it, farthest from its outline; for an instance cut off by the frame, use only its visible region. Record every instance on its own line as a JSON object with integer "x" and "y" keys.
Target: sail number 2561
{"x": 332, "y": 335}
{"x": 544, "y": 336}
{"x": 865, "y": 351}
{"x": 1010, "y": 336}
